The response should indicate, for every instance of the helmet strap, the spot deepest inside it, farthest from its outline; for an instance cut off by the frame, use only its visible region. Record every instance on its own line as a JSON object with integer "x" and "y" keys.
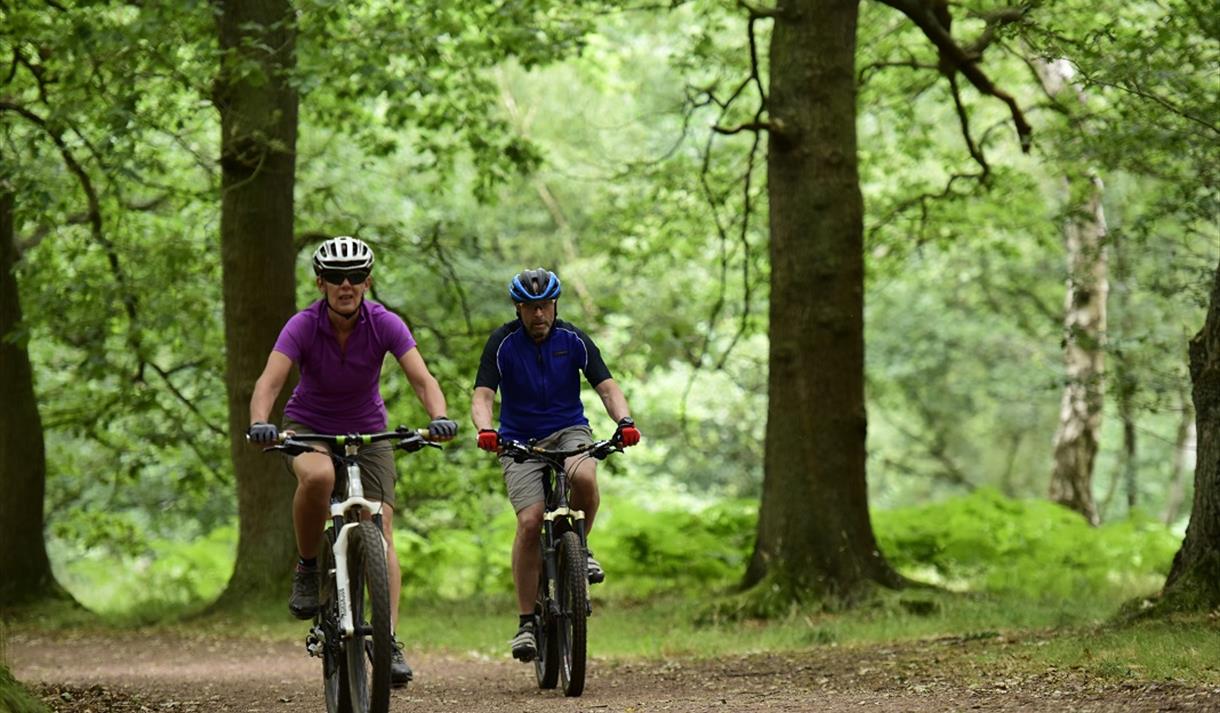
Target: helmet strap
{"x": 348, "y": 316}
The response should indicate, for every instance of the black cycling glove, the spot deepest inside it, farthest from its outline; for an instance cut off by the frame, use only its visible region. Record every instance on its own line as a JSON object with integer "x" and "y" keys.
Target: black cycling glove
{"x": 442, "y": 427}
{"x": 263, "y": 432}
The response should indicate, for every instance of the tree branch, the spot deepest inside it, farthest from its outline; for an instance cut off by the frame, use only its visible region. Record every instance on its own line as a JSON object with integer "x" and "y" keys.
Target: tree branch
{"x": 755, "y": 126}
{"x": 956, "y": 59}
{"x": 964, "y": 121}
{"x": 757, "y": 12}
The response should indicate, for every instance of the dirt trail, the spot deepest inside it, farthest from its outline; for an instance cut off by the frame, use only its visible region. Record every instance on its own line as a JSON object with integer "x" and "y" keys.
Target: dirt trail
{"x": 93, "y": 673}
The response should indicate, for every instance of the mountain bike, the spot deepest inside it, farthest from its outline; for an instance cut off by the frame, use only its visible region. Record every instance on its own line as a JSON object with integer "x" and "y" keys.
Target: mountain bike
{"x": 562, "y": 607}
{"x": 351, "y": 632}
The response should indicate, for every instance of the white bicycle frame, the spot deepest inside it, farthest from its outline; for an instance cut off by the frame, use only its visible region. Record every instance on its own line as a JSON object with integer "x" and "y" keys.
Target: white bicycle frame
{"x": 355, "y": 496}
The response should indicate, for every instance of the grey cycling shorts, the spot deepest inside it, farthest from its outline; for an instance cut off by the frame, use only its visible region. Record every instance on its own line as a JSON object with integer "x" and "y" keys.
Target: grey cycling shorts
{"x": 377, "y": 470}
{"x": 524, "y": 480}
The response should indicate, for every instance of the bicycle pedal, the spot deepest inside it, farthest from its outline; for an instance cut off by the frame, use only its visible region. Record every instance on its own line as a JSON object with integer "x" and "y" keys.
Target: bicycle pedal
{"x": 315, "y": 642}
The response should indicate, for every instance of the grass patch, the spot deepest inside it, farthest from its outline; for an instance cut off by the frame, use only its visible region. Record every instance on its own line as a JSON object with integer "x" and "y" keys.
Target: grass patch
{"x": 1185, "y": 649}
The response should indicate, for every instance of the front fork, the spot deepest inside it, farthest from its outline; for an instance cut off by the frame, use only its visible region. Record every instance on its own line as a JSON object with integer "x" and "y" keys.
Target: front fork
{"x": 343, "y": 587}
{"x": 575, "y": 520}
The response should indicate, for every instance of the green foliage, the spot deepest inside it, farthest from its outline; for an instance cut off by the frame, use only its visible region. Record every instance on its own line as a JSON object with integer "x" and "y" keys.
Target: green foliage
{"x": 1039, "y": 550}
{"x": 164, "y": 578}
{"x": 14, "y": 698}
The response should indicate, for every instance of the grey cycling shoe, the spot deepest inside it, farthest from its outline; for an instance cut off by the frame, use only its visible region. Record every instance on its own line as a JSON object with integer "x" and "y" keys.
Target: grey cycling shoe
{"x": 525, "y": 646}
{"x": 304, "y": 600}
{"x": 597, "y": 575}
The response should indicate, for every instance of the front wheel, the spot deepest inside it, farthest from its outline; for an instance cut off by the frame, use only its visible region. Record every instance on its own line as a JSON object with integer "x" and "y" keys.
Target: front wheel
{"x": 366, "y": 671}
{"x": 573, "y": 598}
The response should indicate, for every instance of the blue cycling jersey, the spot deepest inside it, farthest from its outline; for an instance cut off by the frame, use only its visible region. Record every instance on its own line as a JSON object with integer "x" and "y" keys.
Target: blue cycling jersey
{"x": 539, "y": 383}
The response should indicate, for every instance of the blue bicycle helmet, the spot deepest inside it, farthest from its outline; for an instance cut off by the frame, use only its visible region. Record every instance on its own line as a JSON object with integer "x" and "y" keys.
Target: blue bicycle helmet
{"x": 534, "y": 285}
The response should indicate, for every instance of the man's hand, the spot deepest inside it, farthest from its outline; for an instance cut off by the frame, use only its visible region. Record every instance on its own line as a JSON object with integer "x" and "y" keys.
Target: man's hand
{"x": 442, "y": 428}
{"x": 489, "y": 440}
{"x": 627, "y": 433}
{"x": 262, "y": 432}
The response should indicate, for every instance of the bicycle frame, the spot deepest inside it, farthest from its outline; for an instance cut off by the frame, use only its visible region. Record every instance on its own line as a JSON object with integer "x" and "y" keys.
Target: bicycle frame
{"x": 557, "y": 513}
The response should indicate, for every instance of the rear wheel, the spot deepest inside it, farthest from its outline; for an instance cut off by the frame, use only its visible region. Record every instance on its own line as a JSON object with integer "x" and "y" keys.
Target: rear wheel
{"x": 573, "y": 596}
{"x": 546, "y": 661}
{"x": 365, "y": 674}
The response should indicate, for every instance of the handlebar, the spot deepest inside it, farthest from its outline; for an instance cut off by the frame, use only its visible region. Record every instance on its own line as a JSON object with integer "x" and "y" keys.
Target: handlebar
{"x": 408, "y": 439}
{"x": 521, "y": 452}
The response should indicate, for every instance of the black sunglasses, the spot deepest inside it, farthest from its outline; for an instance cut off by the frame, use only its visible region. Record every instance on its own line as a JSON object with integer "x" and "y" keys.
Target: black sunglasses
{"x": 336, "y": 277}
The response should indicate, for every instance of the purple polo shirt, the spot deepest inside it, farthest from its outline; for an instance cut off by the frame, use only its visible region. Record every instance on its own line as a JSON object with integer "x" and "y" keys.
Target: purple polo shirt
{"x": 340, "y": 389}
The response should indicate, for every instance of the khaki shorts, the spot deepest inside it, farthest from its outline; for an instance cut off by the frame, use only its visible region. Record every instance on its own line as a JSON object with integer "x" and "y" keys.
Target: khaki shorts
{"x": 524, "y": 480}
{"x": 376, "y": 460}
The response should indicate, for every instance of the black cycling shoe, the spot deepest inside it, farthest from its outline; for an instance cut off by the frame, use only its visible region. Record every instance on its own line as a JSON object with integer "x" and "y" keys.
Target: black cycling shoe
{"x": 304, "y": 601}
{"x": 597, "y": 575}
{"x": 525, "y": 646}
{"x": 400, "y": 672}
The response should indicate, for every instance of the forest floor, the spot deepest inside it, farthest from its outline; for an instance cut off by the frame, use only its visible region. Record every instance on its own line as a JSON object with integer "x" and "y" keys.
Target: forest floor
{"x": 76, "y": 672}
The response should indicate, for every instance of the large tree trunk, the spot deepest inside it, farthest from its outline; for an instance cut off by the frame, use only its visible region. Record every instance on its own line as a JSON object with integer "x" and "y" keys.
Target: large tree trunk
{"x": 1194, "y": 580}
{"x": 25, "y": 571}
{"x": 258, "y": 111}
{"x": 815, "y": 538}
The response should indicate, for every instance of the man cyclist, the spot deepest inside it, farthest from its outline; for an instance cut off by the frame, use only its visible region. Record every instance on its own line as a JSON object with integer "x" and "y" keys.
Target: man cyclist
{"x": 338, "y": 344}
{"x": 535, "y": 361}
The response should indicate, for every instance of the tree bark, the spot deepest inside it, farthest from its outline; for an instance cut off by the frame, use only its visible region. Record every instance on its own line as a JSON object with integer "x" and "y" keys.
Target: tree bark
{"x": 815, "y": 538}
{"x": 1084, "y": 358}
{"x": 25, "y": 570}
{"x": 1193, "y": 583}
{"x": 258, "y": 112}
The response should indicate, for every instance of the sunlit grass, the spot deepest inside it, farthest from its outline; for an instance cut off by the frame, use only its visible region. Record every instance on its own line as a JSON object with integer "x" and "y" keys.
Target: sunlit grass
{"x": 1184, "y": 649}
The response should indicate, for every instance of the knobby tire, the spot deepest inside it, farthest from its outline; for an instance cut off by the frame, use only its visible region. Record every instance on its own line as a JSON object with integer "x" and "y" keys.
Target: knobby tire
{"x": 573, "y": 597}
{"x": 368, "y": 691}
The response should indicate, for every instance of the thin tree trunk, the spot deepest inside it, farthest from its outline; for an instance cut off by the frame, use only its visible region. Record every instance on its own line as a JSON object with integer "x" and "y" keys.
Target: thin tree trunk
{"x": 258, "y": 111}
{"x": 1193, "y": 583}
{"x": 1084, "y": 323}
{"x": 1125, "y": 384}
{"x": 1084, "y": 358}
{"x": 1181, "y": 453}
{"x": 25, "y": 570}
{"x": 815, "y": 538}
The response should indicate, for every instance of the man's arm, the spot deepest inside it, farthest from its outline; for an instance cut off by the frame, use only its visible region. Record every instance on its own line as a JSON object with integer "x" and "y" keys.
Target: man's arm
{"x": 424, "y": 384}
{"x": 613, "y": 399}
{"x": 481, "y": 408}
{"x": 268, "y": 386}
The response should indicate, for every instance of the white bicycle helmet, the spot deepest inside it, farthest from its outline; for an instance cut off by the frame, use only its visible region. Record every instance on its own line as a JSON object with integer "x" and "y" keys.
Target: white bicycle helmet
{"x": 342, "y": 253}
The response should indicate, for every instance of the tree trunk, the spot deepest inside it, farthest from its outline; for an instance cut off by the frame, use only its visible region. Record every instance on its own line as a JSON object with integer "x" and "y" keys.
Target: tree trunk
{"x": 1184, "y": 446}
{"x": 1084, "y": 321}
{"x": 258, "y": 112}
{"x": 1125, "y": 384}
{"x": 25, "y": 570}
{"x": 815, "y": 538}
{"x": 1084, "y": 333}
{"x": 1194, "y": 580}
